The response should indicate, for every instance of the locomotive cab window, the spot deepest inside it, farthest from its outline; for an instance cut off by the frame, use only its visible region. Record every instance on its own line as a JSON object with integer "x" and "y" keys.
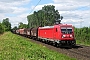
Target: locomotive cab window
{"x": 63, "y": 31}
{"x": 69, "y": 31}
{"x": 66, "y": 30}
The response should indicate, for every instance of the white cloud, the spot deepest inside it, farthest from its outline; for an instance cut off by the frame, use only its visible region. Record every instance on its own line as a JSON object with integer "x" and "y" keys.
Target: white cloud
{"x": 1, "y": 17}
{"x": 14, "y": 10}
{"x": 11, "y": 1}
{"x": 18, "y": 10}
{"x": 72, "y": 1}
{"x": 73, "y": 11}
{"x": 20, "y": 18}
{"x": 75, "y": 17}
{"x": 39, "y": 7}
{"x": 13, "y": 7}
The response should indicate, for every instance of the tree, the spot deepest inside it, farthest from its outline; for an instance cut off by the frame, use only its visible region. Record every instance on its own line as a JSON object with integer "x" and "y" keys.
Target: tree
{"x": 21, "y": 25}
{"x": 6, "y": 24}
{"x": 1, "y": 29}
{"x": 82, "y": 35}
{"x": 51, "y": 15}
{"x": 46, "y": 16}
{"x": 15, "y": 28}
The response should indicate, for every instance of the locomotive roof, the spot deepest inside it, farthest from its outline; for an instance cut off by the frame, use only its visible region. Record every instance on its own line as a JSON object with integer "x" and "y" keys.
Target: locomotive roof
{"x": 62, "y": 25}
{"x": 46, "y": 27}
{"x": 65, "y": 25}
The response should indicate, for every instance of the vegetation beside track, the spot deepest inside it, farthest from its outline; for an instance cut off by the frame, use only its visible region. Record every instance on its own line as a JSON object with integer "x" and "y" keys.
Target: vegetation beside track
{"x": 14, "y": 47}
{"x": 82, "y": 35}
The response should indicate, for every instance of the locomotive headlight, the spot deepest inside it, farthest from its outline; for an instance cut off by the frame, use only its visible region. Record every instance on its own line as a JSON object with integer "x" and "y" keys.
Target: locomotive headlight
{"x": 63, "y": 36}
{"x": 71, "y": 36}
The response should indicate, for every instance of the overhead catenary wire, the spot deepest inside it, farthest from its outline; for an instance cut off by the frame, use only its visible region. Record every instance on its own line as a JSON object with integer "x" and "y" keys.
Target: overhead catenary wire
{"x": 35, "y": 6}
{"x": 32, "y": 9}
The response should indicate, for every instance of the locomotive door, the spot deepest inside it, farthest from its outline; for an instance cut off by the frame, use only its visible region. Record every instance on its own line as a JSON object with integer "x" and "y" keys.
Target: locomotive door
{"x": 55, "y": 34}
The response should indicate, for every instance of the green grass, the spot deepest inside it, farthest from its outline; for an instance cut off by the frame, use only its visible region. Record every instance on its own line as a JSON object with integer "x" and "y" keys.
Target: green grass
{"x": 86, "y": 43}
{"x": 14, "y": 47}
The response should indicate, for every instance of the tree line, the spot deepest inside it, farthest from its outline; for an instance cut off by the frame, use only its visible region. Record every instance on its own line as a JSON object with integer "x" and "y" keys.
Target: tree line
{"x": 5, "y": 25}
{"x": 46, "y": 16}
{"x": 82, "y": 35}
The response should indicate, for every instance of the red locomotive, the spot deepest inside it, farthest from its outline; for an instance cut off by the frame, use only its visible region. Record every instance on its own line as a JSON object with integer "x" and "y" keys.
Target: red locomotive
{"x": 60, "y": 34}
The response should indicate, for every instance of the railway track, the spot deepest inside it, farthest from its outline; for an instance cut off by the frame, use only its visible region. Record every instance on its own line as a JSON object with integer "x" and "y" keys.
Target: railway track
{"x": 80, "y": 52}
{"x": 84, "y": 51}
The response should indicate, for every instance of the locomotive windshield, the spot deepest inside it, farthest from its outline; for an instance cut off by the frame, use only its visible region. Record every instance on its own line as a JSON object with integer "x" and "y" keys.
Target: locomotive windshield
{"x": 66, "y": 30}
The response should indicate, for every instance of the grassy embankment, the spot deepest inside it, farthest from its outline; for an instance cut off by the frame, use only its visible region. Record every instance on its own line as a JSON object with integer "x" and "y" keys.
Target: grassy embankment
{"x": 14, "y": 47}
{"x": 83, "y": 43}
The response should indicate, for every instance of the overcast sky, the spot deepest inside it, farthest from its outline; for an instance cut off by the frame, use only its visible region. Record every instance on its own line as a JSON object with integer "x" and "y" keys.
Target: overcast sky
{"x": 75, "y": 12}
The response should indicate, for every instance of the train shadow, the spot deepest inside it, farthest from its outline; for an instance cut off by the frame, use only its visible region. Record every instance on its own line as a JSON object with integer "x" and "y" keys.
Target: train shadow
{"x": 77, "y": 46}
{"x": 66, "y": 47}
{"x": 71, "y": 47}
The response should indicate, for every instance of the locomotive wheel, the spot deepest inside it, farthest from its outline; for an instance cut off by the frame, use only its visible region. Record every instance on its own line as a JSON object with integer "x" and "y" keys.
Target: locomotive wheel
{"x": 46, "y": 42}
{"x": 74, "y": 45}
{"x": 57, "y": 45}
{"x": 53, "y": 44}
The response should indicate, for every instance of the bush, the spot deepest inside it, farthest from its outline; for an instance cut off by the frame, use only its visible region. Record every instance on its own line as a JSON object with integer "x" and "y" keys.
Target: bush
{"x": 83, "y": 35}
{"x": 1, "y": 29}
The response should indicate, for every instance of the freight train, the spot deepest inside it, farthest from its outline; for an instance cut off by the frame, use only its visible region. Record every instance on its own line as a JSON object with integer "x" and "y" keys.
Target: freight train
{"x": 58, "y": 35}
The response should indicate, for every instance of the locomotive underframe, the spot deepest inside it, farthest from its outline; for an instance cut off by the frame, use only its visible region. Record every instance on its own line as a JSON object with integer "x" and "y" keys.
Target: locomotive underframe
{"x": 59, "y": 42}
